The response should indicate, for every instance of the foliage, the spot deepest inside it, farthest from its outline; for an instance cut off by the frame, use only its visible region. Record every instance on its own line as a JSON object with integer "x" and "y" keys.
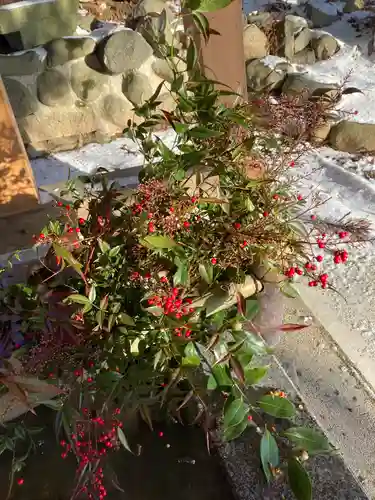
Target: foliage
{"x": 148, "y": 298}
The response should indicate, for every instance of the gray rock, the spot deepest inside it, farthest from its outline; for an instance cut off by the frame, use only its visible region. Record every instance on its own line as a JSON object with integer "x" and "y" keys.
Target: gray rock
{"x": 261, "y": 77}
{"x": 297, "y": 83}
{"x": 302, "y": 40}
{"x": 116, "y": 110}
{"x": 28, "y": 24}
{"x": 149, "y": 28}
{"x": 320, "y": 17}
{"x": 163, "y": 69}
{"x": 353, "y": 137}
{"x": 23, "y": 63}
{"x": 293, "y": 25}
{"x": 87, "y": 83}
{"x": 353, "y": 5}
{"x": 85, "y": 21}
{"x": 145, "y": 7}
{"x": 124, "y": 51}
{"x": 325, "y": 47}
{"x": 21, "y": 99}
{"x": 63, "y": 50}
{"x": 305, "y": 56}
{"x": 136, "y": 87}
{"x": 255, "y": 42}
{"x": 53, "y": 88}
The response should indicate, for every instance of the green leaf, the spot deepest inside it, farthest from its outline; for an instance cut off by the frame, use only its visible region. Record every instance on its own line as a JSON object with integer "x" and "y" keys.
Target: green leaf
{"x": 219, "y": 378}
{"x": 122, "y": 438}
{"x": 269, "y": 453}
{"x": 255, "y": 375}
{"x": 249, "y": 204}
{"x": 252, "y": 309}
{"x": 289, "y": 290}
{"x": 277, "y": 406}
{"x": 100, "y": 315}
{"x": 114, "y": 251}
{"x": 181, "y": 276}
{"x": 308, "y": 439}
{"x": 234, "y": 431}
{"x": 125, "y": 319}
{"x": 180, "y": 128}
{"x": 103, "y": 245}
{"x": 159, "y": 241}
{"x": 68, "y": 257}
{"x": 92, "y": 294}
{"x": 207, "y": 272}
{"x": 203, "y": 132}
{"x": 80, "y": 299}
{"x": 253, "y": 344}
{"x": 191, "y": 357}
{"x": 191, "y": 56}
{"x": 235, "y": 413}
{"x": 201, "y": 23}
{"x": 212, "y": 5}
{"x": 299, "y": 480}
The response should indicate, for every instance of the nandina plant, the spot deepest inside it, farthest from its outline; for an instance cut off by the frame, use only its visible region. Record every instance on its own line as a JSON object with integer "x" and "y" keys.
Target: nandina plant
{"x": 147, "y": 300}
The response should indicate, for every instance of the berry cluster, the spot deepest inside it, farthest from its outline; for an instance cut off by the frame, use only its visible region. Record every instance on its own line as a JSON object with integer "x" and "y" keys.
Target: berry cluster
{"x": 94, "y": 439}
{"x": 172, "y": 304}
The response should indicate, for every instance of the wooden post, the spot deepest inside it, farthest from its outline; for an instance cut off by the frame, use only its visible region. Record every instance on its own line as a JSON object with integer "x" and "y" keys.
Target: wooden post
{"x": 223, "y": 57}
{"x": 18, "y": 192}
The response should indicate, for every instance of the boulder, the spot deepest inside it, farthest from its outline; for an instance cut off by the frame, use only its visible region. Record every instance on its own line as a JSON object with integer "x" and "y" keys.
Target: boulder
{"x": 325, "y": 47}
{"x": 53, "y": 88}
{"x": 162, "y": 68}
{"x": 353, "y": 137}
{"x": 21, "y": 99}
{"x": 305, "y": 56}
{"x": 260, "y": 77}
{"x": 150, "y": 25}
{"x": 137, "y": 88}
{"x": 85, "y": 21}
{"x": 87, "y": 83}
{"x": 63, "y": 50}
{"x": 293, "y": 25}
{"x": 28, "y": 24}
{"x": 322, "y": 15}
{"x": 353, "y": 5}
{"x": 117, "y": 110}
{"x": 255, "y": 42}
{"x": 321, "y": 132}
{"x": 145, "y": 7}
{"x": 23, "y": 63}
{"x": 302, "y": 40}
{"x": 297, "y": 83}
{"x": 123, "y": 51}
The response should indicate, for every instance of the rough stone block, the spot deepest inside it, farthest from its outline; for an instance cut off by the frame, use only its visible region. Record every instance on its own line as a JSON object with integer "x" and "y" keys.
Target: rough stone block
{"x": 54, "y": 88}
{"x": 137, "y": 88}
{"x": 21, "y": 99}
{"x": 30, "y": 23}
{"x": 124, "y": 51}
{"x": 87, "y": 83}
{"x": 23, "y": 63}
{"x": 117, "y": 110}
{"x": 66, "y": 49}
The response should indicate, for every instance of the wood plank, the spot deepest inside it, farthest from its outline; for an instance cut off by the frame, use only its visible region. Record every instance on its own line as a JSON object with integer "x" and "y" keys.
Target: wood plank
{"x": 18, "y": 191}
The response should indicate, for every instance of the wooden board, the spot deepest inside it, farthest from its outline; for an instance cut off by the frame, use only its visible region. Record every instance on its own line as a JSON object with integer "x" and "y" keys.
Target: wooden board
{"x": 18, "y": 191}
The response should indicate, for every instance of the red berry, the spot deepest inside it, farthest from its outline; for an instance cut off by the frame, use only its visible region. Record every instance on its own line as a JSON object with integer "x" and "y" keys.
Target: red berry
{"x": 313, "y": 267}
{"x": 161, "y": 434}
{"x": 321, "y": 244}
{"x": 78, "y": 230}
{"x": 324, "y": 277}
{"x": 171, "y": 210}
{"x": 149, "y": 216}
{"x": 308, "y": 265}
{"x": 237, "y": 225}
{"x": 151, "y": 227}
{"x": 355, "y": 112}
{"x": 164, "y": 279}
{"x": 186, "y": 224}
{"x": 20, "y": 481}
{"x": 194, "y": 199}
{"x": 300, "y": 197}
{"x": 337, "y": 259}
{"x": 343, "y": 234}
{"x": 319, "y": 258}
{"x": 313, "y": 217}
{"x": 41, "y": 236}
{"x": 244, "y": 244}
{"x": 266, "y": 214}
{"x": 291, "y": 164}
{"x": 81, "y": 220}
{"x": 70, "y": 230}
{"x": 213, "y": 261}
{"x": 311, "y": 283}
{"x": 249, "y": 418}
{"x": 89, "y": 379}
{"x": 67, "y": 207}
{"x": 59, "y": 204}
{"x": 299, "y": 271}
{"x": 275, "y": 196}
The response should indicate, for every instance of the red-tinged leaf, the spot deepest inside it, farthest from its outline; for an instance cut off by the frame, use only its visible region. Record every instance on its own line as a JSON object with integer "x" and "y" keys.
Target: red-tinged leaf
{"x": 291, "y": 327}
{"x": 241, "y": 304}
{"x": 33, "y": 384}
{"x": 18, "y": 393}
{"x": 237, "y": 368}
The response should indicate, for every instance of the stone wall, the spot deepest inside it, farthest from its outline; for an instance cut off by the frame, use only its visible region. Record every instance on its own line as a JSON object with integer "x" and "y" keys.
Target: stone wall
{"x": 82, "y": 88}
